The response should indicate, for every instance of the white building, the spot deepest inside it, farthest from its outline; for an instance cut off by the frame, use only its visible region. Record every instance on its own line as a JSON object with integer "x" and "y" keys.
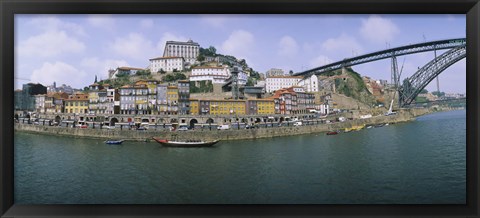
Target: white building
{"x": 310, "y": 84}
{"x": 124, "y": 70}
{"x": 278, "y": 82}
{"x": 167, "y": 64}
{"x": 274, "y": 72}
{"x": 217, "y": 75}
{"x": 40, "y": 103}
{"x": 188, "y": 50}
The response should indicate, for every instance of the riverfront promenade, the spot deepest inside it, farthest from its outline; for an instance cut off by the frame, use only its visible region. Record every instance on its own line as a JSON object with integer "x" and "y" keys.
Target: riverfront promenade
{"x": 232, "y": 134}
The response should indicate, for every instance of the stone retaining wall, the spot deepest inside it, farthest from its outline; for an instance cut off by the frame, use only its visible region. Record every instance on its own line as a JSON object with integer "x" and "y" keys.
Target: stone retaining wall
{"x": 402, "y": 116}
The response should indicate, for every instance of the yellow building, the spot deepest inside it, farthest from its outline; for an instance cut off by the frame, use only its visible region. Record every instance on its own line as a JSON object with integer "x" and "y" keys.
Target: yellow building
{"x": 227, "y": 107}
{"x": 77, "y": 103}
{"x": 194, "y": 107}
{"x": 172, "y": 99}
{"x": 265, "y": 106}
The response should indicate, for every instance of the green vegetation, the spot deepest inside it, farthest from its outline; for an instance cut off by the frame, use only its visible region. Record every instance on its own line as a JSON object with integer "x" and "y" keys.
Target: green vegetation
{"x": 205, "y": 86}
{"x": 424, "y": 91}
{"x": 419, "y": 99}
{"x": 142, "y": 73}
{"x": 250, "y": 81}
{"x": 210, "y": 51}
{"x": 254, "y": 74}
{"x": 174, "y": 77}
{"x": 352, "y": 85}
{"x": 439, "y": 94}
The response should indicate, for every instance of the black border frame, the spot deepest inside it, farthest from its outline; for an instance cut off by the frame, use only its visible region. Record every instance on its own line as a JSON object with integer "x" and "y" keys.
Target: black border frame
{"x": 8, "y": 8}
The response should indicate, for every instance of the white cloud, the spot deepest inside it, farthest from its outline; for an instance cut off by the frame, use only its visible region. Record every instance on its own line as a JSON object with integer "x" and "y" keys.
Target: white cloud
{"x": 320, "y": 61}
{"x": 379, "y": 30}
{"x": 216, "y": 21}
{"x": 100, "y": 67}
{"x": 288, "y": 46}
{"x": 168, "y": 36}
{"x": 344, "y": 46}
{"x": 146, "y": 23}
{"x": 49, "y": 44}
{"x": 134, "y": 46}
{"x": 239, "y": 44}
{"x": 51, "y": 23}
{"x": 101, "y": 20}
{"x": 61, "y": 73}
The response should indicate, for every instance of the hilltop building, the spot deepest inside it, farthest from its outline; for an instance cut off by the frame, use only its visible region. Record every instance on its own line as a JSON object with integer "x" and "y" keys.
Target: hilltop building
{"x": 274, "y": 72}
{"x": 188, "y": 50}
{"x": 166, "y": 64}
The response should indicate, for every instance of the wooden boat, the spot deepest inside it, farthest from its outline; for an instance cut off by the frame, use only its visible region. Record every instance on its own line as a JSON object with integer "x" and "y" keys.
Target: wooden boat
{"x": 332, "y": 133}
{"x": 114, "y": 142}
{"x": 188, "y": 143}
{"x": 355, "y": 128}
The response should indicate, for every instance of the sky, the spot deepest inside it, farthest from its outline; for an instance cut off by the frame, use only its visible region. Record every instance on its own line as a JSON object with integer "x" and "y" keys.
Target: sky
{"x": 73, "y": 49}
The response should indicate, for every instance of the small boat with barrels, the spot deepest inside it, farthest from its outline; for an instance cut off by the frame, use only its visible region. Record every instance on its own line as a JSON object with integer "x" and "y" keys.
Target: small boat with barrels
{"x": 186, "y": 143}
{"x": 332, "y": 133}
{"x": 114, "y": 142}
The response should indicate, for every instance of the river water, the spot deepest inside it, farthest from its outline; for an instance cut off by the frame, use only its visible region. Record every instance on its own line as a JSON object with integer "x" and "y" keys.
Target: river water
{"x": 419, "y": 162}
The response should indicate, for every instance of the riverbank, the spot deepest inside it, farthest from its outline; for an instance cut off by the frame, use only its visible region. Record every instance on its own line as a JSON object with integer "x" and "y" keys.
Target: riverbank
{"x": 232, "y": 134}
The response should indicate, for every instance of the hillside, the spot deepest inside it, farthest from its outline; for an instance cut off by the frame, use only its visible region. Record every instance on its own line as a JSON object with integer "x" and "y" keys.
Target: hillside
{"x": 350, "y": 84}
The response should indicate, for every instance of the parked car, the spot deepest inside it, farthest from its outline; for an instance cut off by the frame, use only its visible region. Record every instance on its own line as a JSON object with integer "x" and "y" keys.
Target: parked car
{"x": 83, "y": 126}
{"x": 142, "y": 128}
{"x": 109, "y": 127}
{"x": 298, "y": 123}
{"x": 223, "y": 127}
{"x": 183, "y": 128}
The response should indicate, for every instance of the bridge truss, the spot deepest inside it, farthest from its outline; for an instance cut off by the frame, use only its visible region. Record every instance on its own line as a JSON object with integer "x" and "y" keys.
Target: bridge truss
{"x": 413, "y": 85}
{"x": 389, "y": 53}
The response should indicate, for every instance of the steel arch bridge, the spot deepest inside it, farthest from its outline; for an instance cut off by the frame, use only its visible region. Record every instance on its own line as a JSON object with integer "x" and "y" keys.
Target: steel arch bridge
{"x": 413, "y": 85}
{"x": 389, "y": 53}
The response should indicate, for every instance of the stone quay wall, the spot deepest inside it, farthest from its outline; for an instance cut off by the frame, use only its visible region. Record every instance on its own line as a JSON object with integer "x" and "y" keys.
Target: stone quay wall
{"x": 232, "y": 134}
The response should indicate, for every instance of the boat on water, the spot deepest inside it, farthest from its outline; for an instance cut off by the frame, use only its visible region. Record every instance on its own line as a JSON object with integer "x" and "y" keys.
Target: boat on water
{"x": 114, "y": 142}
{"x": 332, "y": 133}
{"x": 355, "y": 128}
{"x": 187, "y": 143}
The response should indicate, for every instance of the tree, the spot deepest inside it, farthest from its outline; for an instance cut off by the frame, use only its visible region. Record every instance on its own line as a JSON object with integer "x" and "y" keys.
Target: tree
{"x": 200, "y": 57}
{"x": 424, "y": 91}
{"x": 212, "y": 50}
{"x": 439, "y": 94}
{"x": 95, "y": 79}
{"x": 290, "y": 72}
{"x": 168, "y": 78}
{"x": 250, "y": 82}
{"x": 180, "y": 76}
{"x": 161, "y": 71}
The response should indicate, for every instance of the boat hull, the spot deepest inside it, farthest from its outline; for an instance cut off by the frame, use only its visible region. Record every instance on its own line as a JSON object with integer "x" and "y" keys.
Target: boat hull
{"x": 114, "y": 142}
{"x": 166, "y": 143}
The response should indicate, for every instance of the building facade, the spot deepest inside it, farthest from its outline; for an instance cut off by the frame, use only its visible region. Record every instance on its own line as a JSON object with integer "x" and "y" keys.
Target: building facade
{"x": 274, "y": 72}
{"x": 226, "y": 107}
{"x": 260, "y": 106}
{"x": 217, "y": 75}
{"x": 123, "y": 71}
{"x": 310, "y": 84}
{"x": 278, "y": 82}
{"x": 24, "y": 99}
{"x": 183, "y": 96}
{"x": 40, "y": 103}
{"x": 77, "y": 103}
{"x": 166, "y": 64}
{"x": 188, "y": 50}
